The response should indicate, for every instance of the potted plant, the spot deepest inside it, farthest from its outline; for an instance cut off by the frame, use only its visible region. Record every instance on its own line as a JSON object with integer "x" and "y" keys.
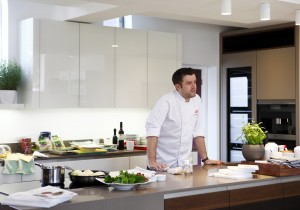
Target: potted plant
{"x": 10, "y": 79}
{"x": 252, "y": 137}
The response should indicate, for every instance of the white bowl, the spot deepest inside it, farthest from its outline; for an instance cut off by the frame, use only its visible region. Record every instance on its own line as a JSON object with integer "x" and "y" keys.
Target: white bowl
{"x": 161, "y": 177}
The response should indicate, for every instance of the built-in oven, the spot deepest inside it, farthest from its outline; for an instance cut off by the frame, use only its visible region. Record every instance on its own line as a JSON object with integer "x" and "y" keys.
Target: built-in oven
{"x": 279, "y": 119}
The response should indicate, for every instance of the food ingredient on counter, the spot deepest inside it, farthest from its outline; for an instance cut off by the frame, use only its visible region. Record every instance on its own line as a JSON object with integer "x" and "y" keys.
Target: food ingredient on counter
{"x": 126, "y": 178}
{"x": 87, "y": 173}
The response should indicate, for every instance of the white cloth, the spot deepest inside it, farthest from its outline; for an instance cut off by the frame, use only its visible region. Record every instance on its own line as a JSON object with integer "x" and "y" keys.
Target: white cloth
{"x": 175, "y": 122}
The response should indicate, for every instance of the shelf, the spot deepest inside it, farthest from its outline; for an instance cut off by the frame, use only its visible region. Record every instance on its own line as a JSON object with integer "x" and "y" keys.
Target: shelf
{"x": 11, "y": 106}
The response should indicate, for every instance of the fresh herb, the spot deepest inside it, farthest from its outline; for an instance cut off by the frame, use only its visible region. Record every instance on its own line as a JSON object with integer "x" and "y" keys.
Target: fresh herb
{"x": 252, "y": 133}
{"x": 126, "y": 178}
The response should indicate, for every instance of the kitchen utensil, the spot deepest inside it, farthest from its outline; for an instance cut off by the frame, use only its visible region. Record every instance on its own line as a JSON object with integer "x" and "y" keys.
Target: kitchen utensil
{"x": 5, "y": 149}
{"x": 86, "y": 180}
{"x": 53, "y": 175}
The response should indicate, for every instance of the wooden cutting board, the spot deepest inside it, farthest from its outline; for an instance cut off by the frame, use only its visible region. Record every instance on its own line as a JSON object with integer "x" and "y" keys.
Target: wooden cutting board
{"x": 272, "y": 169}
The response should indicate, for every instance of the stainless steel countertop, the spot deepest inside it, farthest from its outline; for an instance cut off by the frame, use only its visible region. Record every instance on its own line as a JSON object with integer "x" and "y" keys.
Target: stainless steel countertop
{"x": 175, "y": 186}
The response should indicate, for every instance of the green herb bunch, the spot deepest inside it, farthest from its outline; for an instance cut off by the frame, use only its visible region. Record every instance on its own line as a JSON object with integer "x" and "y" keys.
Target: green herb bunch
{"x": 10, "y": 75}
{"x": 252, "y": 133}
{"x": 126, "y": 178}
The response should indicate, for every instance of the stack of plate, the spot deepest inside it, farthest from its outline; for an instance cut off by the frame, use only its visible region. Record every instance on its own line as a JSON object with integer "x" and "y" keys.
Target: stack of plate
{"x": 132, "y": 137}
{"x": 143, "y": 141}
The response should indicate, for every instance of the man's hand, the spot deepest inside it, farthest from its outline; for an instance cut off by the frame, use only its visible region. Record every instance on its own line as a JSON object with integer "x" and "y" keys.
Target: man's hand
{"x": 213, "y": 162}
{"x": 157, "y": 166}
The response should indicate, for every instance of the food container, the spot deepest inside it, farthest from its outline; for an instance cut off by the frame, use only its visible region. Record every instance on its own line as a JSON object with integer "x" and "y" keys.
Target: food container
{"x": 161, "y": 177}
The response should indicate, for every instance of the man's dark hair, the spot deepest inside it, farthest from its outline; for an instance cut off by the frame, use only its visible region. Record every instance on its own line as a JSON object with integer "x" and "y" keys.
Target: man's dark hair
{"x": 180, "y": 73}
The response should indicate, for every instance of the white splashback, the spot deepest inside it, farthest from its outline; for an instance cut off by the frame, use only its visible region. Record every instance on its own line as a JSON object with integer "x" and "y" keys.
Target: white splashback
{"x": 69, "y": 124}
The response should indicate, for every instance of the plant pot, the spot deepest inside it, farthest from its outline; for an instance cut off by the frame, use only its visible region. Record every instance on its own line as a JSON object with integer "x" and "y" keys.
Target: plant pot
{"x": 8, "y": 96}
{"x": 253, "y": 152}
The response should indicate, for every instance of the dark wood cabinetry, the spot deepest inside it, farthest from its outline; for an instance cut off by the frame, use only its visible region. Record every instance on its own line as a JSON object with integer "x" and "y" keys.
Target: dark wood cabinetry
{"x": 217, "y": 200}
{"x": 284, "y": 196}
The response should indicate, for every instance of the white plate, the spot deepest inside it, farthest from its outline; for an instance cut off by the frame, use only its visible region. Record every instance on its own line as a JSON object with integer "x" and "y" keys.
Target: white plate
{"x": 119, "y": 186}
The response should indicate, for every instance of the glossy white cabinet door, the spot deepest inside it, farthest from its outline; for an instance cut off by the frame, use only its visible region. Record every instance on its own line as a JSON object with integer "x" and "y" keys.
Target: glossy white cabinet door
{"x": 59, "y": 64}
{"x": 96, "y": 66}
{"x": 28, "y": 50}
{"x": 131, "y": 69}
{"x": 163, "y": 61}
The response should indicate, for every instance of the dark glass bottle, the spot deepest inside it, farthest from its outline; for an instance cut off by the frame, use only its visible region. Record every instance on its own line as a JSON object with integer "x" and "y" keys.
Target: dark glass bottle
{"x": 121, "y": 131}
{"x": 121, "y": 137}
{"x": 115, "y": 138}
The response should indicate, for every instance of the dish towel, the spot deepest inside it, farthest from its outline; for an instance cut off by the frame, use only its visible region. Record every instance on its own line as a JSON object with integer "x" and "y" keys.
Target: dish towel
{"x": 17, "y": 163}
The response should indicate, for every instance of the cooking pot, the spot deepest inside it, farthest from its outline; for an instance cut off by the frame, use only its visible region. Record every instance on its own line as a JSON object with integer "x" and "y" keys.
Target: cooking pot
{"x": 86, "y": 180}
{"x": 53, "y": 175}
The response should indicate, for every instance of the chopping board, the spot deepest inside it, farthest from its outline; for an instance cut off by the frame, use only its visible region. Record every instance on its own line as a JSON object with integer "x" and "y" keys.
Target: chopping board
{"x": 83, "y": 152}
{"x": 272, "y": 169}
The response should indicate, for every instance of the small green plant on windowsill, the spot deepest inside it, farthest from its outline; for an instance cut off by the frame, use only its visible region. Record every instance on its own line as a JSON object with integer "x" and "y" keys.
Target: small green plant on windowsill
{"x": 10, "y": 75}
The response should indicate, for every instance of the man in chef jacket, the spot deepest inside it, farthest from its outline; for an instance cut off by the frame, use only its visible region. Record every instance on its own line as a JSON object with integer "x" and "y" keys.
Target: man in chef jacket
{"x": 174, "y": 123}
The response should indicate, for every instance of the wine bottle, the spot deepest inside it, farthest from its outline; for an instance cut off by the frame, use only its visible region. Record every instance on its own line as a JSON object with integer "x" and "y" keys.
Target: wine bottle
{"x": 121, "y": 131}
{"x": 115, "y": 138}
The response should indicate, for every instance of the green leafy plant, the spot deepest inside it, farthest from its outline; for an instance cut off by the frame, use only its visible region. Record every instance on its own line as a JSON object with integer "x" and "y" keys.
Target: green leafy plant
{"x": 252, "y": 133}
{"x": 10, "y": 75}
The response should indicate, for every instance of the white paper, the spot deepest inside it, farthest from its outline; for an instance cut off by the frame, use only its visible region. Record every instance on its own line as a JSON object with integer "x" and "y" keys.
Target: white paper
{"x": 33, "y": 198}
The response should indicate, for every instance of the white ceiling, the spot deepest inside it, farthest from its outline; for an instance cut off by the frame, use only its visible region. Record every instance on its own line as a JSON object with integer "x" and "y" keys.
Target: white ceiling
{"x": 245, "y": 13}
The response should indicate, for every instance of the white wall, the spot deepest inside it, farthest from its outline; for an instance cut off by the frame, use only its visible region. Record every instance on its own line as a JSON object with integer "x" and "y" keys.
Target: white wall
{"x": 69, "y": 124}
{"x": 200, "y": 44}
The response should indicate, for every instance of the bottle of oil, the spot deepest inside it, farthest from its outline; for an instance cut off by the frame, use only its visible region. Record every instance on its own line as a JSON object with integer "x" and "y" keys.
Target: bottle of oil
{"x": 115, "y": 138}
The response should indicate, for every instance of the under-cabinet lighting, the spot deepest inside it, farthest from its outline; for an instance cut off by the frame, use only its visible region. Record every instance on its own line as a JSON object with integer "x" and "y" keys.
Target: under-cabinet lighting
{"x": 226, "y": 7}
{"x": 265, "y": 11}
{"x": 297, "y": 20}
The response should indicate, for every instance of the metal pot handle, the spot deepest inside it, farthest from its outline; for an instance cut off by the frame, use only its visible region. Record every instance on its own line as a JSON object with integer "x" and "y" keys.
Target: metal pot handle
{"x": 39, "y": 164}
{"x": 69, "y": 168}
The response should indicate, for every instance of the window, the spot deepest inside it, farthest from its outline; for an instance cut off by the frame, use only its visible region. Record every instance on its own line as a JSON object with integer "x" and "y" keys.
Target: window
{"x": 4, "y": 29}
{"x": 122, "y": 22}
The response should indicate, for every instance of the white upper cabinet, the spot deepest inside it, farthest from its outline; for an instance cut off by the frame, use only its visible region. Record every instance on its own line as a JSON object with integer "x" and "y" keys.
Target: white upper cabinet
{"x": 96, "y": 66}
{"x": 70, "y": 65}
{"x": 59, "y": 64}
{"x": 49, "y": 56}
{"x": 164, "y": 57}
{"x": 131, "y": 69}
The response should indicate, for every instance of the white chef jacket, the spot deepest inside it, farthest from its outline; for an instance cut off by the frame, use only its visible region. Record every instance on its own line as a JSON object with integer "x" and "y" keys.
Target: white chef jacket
{"x": 175, "y": 122}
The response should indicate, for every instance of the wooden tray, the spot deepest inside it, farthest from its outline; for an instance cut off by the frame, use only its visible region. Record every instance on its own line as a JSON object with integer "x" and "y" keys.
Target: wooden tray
{"x": 272, "y": 169}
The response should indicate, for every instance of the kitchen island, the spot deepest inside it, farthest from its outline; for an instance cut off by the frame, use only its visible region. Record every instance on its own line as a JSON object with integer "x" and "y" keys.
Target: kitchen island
{"x": 196, "y": 191}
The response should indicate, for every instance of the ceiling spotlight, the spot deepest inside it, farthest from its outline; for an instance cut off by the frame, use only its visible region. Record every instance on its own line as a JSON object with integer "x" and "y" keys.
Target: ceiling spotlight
{"x": 265, "y": 11}
{"x": 297, "y": 20}
{"x": 226, "y": 7}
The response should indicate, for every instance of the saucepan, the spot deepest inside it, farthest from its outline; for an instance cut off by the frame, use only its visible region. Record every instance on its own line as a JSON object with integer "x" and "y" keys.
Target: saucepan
{"x": 53, "y": 175}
